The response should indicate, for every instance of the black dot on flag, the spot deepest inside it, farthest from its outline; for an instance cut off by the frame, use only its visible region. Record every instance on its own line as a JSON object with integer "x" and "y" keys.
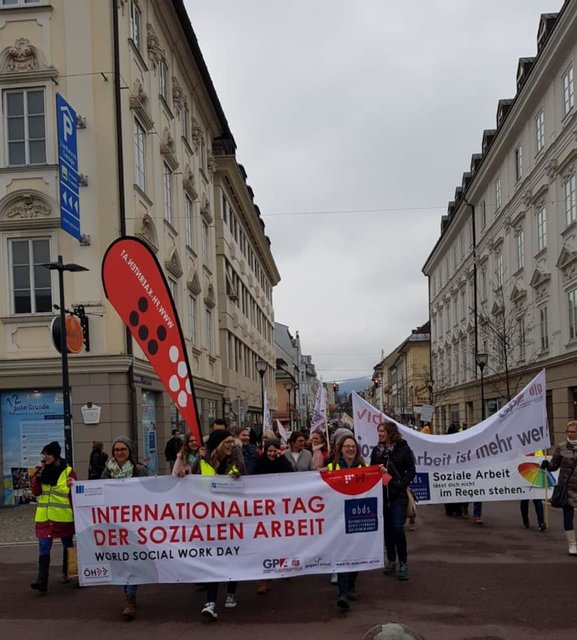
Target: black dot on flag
{"x": 152, "y": 347}
{"x": 161, "y": 333}
{"x": 143, "y": 332}
{"x": 133, "y": 318}
{"x": 143, "y": 304}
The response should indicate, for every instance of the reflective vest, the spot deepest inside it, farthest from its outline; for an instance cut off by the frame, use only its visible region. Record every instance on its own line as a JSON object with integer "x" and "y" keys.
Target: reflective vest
{"x": 337, "y": 467}
{"x": 53, "y": 503}
{"x": 207, "y": 469}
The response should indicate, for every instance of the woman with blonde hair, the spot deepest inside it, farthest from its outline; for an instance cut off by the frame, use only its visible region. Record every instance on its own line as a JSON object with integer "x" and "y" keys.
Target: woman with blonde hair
{"x": 188, "y": 458}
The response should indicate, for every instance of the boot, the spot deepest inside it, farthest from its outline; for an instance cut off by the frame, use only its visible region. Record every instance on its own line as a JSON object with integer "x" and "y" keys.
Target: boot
{"x": 41, "y": 583}
{"x": 572, "y": 542}
{"x": 129, "y": 607}
{"x": 262, "y": 587}
{"x": 65, "y": 577}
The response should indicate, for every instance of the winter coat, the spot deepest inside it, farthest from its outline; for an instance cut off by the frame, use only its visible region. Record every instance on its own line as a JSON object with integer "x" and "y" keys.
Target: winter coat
{"x": 97, "y": 463}
{"x": 304, "y": 463}
{"x": 400, "y": 463}
{"x": 49, "y": 528}
{"x": 172, "y": 448}
{"x": 563, "y": 459}
{"x": 250, "y": 456}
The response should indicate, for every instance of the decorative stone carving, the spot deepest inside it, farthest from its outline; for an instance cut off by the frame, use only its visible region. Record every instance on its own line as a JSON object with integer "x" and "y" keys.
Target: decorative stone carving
{"x": 210, "y": 298}
{"x": 551, "y": 169}
{"x": 193, "y": 284}
{"x": 27, "y": 208}
{"x": 173, "y": 265}
{"x": 195, "y": 132}
{"x": 167, "y": 149}
{"x": 527, "y": 197}
{"x": 155, "y": 51}
{"x": 148, "y": 232}
{"x": 205, "y": 211}
{"x": 210, "y": 164}
{"x": 138, "y": 102}
{"x": 189, "y": 182}
{"x": 177, "y": 95}
{"x": 22, "y": 56}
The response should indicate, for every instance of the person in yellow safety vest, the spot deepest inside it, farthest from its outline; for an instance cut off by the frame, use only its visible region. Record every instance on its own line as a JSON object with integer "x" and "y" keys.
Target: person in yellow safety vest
{"x": 537, "y": 504}
{"x": 347, "y": 455}
{"x": 220, "y": 460}
{"x": 54, "y": 517}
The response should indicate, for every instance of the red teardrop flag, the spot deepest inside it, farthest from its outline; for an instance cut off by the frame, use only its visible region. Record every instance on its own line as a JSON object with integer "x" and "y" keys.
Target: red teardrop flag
{"x": 136, "y": 287}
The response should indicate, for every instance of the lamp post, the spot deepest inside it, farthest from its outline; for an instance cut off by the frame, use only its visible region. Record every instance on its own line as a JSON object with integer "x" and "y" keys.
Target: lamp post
{"x": 288, "y": 386}
{"x": 481, "y": 359}
{"x": 61, "y": 268}
{"x": 261, "y": 367}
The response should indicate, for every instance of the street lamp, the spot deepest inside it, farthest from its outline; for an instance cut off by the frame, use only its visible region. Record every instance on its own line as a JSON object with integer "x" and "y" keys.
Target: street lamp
{"x": 288, "y": 386}
{"x": 61, "y": 268}
{"x": 261, "y": 367}
{"x": 481, "y": 359}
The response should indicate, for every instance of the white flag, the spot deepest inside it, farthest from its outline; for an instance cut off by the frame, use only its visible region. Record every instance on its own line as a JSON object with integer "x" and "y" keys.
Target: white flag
{"x": 319, "y": 418}
{"x": 282, "y": 431}
{"x": 267, "y": 420}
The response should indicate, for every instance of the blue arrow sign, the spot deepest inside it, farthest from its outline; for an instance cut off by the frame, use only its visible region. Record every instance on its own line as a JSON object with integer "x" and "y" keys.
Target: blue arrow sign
{"x": 68, "y": 167}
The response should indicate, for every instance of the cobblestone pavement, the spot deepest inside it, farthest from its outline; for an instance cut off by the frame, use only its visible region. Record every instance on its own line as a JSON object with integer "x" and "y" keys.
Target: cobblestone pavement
{"x": 17, "y": 525}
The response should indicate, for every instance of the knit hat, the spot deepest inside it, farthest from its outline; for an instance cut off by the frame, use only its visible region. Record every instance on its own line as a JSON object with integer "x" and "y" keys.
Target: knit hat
{"x": 340, "y": 433}
{"x": 216, "y": 438}
{"x": 127, "y": 441}
{"x": 271, "y": 442}
{"x": 52, "y": 449}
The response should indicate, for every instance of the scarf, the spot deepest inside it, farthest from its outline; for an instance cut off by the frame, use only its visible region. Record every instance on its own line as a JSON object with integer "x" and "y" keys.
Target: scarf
{"x": 192, "y": 459}
{"x": 571, "y": 445}
{"x": 318, "y": 456}
{"x": 385, "y": 449}
{"x": 50, "y": 473}
{"x": 117, "y": 471}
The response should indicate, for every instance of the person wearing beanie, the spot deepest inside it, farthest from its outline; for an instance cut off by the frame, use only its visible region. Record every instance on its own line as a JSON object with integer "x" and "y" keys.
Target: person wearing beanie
{"x": 123, "y": 464}
{"x": 54, "y": 517}
{"x": 220, "y": 460}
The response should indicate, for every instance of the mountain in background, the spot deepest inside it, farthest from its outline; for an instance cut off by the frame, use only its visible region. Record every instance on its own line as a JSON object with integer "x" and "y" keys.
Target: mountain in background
{"x": 357, "y": 384}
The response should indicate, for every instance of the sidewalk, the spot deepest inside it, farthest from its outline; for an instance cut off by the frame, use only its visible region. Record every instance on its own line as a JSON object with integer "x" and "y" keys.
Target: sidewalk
{"x": 17, "y": 525}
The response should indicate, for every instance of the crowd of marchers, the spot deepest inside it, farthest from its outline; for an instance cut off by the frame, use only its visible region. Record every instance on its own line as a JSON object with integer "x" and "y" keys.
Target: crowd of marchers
{"x": 234, "y": 455}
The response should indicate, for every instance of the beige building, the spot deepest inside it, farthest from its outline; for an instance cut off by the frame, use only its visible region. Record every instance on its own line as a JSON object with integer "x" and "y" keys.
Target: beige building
{"x": 157, "y": 161}
{"x": 503, "y": 273}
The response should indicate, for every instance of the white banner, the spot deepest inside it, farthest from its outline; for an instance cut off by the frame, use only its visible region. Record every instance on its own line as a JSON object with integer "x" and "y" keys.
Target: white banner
{"x": 318, "y": 421}
{"x": 282, "y": 431}
{"x": 267, "y": 420}
{"x": 216, "y": 528}
{"x": 518, "y": 428}
{"x": 522, "y": 479}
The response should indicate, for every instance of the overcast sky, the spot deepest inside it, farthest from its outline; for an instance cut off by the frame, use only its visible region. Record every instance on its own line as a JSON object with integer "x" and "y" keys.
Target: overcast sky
{"x": 341, "y": 108}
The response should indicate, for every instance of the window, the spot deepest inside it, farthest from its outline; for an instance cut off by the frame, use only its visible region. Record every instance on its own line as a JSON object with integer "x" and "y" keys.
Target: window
{"x": 25, "y": 127}
{"x": 185, "y": 122}
{"x": 520, "y": 246}
{"x": 205, "y": 242}
{"x": 140, "y": 155}
{"x": 572, "y": 299}
{"x": 483, "y": 215}
{"x": 14, "y": 3}
{"x": 189, "y": 210}
{"x": 543, "y": 328}
{"x": 192, "y": 319}
{"x": 518, "y": 163}
{"x": 483, "y": 283}
{"x": 522, "y": 338}
{"x": 209, "y": 345}
{"x": 568, "y": 94}
{"x": 500, "y": 269}
{"x": 463, "y": 305}
{"x": 167, "y": 188}
{"x": 136, "y": 25}
{"x": 163, "y": 75}
{"x": 540, "y": 130}
{"x": 32, "y": 291}
{"x": 541, "y": 219}
{"x": 569, "y": 198}
{"x": 498, "y": 193}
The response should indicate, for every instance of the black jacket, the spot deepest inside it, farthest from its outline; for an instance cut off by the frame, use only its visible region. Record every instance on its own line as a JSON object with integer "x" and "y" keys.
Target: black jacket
{"x": 97, "y": 463}
{"x": 400, "y": 463}
{"x": 173, "y": 446}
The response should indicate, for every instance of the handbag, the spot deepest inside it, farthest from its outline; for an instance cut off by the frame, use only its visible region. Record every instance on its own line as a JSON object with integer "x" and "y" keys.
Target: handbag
{"x": 560, "y": 495}
{"x": 412, "y": 504}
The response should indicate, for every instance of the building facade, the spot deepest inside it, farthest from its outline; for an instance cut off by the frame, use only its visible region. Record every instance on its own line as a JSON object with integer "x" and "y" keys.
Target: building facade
{"x": 503, "y": 273}
{"x": 157, "y": 161}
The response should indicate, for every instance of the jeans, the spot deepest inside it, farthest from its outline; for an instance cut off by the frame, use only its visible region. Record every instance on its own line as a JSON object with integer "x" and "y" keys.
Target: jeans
{"x": 568, "y": 512}
{"x": 130, "y": 589}
{"x": 45, "y": 545}
{"x": 477, "y": 509}
{"x": 394, "y": 516}
{"x": 538, "y": 504}
{"x": 346, "y": 582}
{"x": 212, "y": 590}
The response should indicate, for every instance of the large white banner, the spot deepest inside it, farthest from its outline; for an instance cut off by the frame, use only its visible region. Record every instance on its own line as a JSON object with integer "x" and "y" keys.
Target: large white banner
{"x": 319, "y": 419}
{"x": 517, "y": 429}
{"x": 216, "y": 528}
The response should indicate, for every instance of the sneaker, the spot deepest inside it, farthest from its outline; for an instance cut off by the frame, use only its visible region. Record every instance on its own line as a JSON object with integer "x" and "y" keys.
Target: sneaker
{"x": 209, "y": 611}
{"x": 478, "y": 520}
{"x": 334, "y": 578}
{"x": 230, "y": 601}
{"x": 525, "y": 525}
{"x": 403, "y": 571}
{"x": 343, "y": 603}
{"x": 542, "y": 527}
{"x": 390, "y": 567}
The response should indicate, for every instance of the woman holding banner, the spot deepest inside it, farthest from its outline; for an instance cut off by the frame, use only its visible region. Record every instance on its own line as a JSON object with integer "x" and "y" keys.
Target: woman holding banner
{"x": 565, "y": 459}
{"x": 347, "y": 456}
{"x": 296, "y": 454}
{"x": 394, "y": 454}
{"x": 220, "y": 460}
{"x": 123, "y": 464}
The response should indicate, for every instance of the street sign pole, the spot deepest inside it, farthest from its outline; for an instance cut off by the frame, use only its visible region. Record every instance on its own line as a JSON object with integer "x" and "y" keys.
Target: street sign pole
{"x": 68, "y": 167}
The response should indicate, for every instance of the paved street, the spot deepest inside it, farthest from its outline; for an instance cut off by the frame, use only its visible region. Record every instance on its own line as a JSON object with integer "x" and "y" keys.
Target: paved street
{"x": 467, "y": 582}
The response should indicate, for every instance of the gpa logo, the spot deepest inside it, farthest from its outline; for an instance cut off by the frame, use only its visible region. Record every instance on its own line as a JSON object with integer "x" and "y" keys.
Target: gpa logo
{"x": 511, "y": 406}
{"x": 281, "y": 564}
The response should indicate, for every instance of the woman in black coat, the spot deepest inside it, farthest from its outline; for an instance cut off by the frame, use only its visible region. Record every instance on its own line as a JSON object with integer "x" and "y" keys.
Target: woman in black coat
{"x": 395, "y": 455}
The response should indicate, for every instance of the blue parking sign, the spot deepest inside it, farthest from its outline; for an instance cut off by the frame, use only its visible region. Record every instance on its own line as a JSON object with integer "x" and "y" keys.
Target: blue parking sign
{"x": 68, "y": 167}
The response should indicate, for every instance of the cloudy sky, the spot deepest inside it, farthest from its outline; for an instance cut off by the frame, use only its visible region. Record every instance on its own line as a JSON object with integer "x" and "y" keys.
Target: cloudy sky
{"x": 355, "y": 122}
